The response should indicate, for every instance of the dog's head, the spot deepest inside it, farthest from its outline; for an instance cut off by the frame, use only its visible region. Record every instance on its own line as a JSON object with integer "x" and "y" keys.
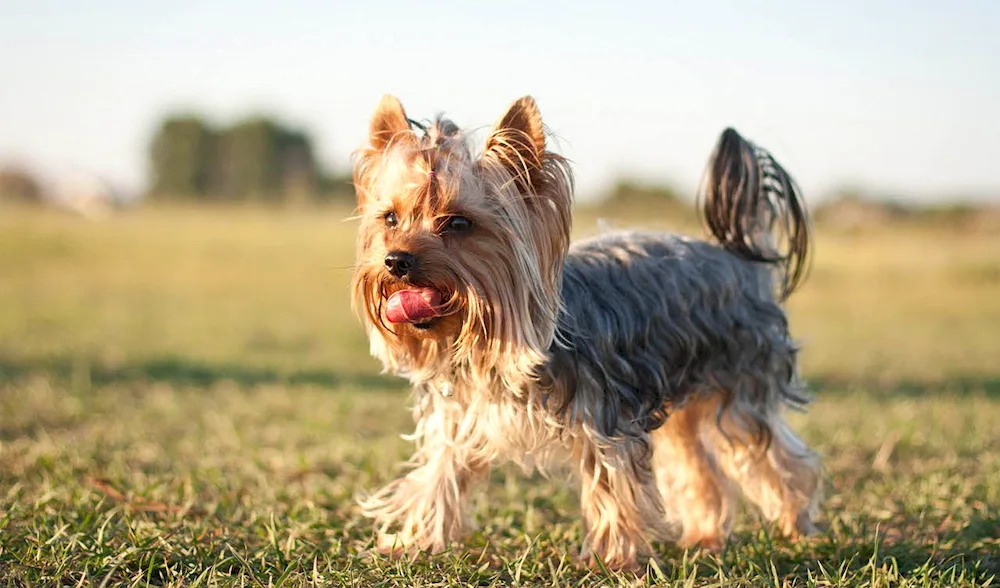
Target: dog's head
{"x": 460, "y": 255}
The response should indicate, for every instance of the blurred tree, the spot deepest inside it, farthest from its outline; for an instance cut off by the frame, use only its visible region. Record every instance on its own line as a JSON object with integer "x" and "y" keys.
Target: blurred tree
{"x": 337, "y": 187}
{"x": 261, "y": 159}
{"x": 299, "y": 172}
{"x": 246, "y": 166}
{"x": 180, "y": 157}
{"x": 629, "y": 199}
{"x": 255, "y": 159}
{"x": 629, "y": 192}
{"x": 19, "y": 185}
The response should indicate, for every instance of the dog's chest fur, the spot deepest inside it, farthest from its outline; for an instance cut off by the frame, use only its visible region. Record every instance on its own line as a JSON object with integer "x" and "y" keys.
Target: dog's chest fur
{"x": 498, "y": 427}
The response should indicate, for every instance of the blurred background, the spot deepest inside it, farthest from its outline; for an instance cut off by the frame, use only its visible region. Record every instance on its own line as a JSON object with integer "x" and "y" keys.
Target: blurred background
{"x": 243, "y": 100}
{"x": 176, "y": 177}
{"x": 185, "y": 394}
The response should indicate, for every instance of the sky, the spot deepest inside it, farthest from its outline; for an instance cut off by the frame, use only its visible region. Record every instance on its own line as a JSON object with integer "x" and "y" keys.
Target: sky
{"x": 894, "y": 97}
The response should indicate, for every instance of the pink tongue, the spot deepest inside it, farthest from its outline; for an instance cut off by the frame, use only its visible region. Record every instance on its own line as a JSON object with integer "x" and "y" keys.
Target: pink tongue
{"x": 413, "y": 305}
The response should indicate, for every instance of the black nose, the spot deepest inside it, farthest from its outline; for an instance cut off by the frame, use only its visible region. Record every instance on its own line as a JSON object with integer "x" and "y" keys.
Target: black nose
{"x": 400, "y": 263}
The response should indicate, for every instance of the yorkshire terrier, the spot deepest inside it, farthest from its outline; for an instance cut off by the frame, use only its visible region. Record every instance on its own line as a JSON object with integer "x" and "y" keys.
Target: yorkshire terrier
{"x": 659, "y": 366}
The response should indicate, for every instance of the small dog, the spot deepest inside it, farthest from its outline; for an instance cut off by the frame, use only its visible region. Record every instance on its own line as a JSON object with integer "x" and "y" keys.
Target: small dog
{"x": 658, "y": 365}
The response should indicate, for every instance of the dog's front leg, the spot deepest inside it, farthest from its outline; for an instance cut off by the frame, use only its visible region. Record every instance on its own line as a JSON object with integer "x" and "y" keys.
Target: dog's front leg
{"x": 621, "y": 505}
{"x": 425, "y": 509}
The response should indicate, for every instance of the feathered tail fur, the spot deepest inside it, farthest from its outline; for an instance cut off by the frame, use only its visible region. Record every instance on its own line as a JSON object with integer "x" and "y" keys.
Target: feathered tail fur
{"x": 754, "y": 208}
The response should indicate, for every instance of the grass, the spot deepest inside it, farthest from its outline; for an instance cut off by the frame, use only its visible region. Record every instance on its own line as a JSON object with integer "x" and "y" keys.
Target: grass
{"x": 185, "y": 399}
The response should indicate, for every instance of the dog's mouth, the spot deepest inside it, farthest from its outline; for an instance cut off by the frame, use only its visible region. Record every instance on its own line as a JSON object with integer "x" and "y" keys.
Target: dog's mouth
{"x": 417, "y": 306}
{"x": 425, "y": 325}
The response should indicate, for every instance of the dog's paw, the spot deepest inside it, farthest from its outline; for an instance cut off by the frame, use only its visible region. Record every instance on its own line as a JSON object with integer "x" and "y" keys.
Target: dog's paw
{"x": 707, "y": 543}
{"x": 395, "y": 546}
{"x": 589, "y": 560}
{"x": 798, "y": 527}
{"x": 401, "y": 546}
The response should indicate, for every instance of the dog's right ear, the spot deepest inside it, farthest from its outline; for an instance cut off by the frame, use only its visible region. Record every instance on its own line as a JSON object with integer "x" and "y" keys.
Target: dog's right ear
{"x": 388, "y": 123}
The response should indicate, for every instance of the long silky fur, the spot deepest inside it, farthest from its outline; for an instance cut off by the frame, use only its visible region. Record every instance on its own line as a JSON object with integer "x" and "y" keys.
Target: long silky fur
{"x": 512, "y": 304}
{"x": 750, "y": 204}
{"x": 653, "y": 319}
{"x": 582, "y": 352}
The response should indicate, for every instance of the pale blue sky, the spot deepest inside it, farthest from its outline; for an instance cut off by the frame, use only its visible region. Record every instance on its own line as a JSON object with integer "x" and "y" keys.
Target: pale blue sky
{"x": 898, "y": 96}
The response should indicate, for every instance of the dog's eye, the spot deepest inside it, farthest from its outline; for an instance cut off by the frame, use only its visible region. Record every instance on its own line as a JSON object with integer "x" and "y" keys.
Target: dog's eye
{"x": 390, "y": 219}
{"x": 456, "y": 224}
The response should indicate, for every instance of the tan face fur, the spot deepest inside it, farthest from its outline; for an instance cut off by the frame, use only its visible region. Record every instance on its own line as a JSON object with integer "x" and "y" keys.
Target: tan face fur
{"x": 489, "y": 233}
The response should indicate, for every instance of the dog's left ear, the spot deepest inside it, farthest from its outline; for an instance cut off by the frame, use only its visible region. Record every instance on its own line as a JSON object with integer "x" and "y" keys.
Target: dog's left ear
{"x": 518, "y": 139}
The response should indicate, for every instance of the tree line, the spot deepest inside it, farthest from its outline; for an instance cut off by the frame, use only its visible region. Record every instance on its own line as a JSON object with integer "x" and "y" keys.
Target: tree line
{"x": 261, "y": 159}
{"x": 257, "y": 159}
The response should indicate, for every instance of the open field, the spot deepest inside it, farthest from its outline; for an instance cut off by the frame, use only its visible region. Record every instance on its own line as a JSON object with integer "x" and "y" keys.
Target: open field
{"x": 185, "y": 398}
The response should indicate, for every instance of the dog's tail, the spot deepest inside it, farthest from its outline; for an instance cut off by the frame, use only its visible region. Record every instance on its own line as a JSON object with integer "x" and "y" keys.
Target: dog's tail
{"x": 755, "y": 209}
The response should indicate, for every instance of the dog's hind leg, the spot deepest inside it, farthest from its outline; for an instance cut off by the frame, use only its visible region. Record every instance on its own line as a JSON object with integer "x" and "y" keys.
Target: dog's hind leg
{"x": 697, "y": 497}
{"x": 756, "y": 448}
